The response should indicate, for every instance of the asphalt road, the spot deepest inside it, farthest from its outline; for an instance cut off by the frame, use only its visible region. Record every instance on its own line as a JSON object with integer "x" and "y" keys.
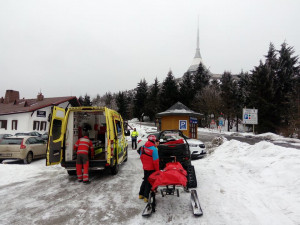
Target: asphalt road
{"x": 207, "y": 137}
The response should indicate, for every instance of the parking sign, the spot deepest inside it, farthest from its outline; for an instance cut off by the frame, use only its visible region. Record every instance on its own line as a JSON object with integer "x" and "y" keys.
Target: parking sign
{"x": 182, "y": 124}
{"x": 250, "y": 116}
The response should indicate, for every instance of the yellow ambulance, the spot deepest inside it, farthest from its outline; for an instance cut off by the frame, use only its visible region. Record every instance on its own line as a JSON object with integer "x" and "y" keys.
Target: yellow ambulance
{"x": 105, "y": 129}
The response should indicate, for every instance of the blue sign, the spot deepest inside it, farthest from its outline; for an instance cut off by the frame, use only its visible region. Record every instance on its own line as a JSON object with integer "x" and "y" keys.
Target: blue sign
{"x": 221, "y": 123}
{"x": 193, "y": 120}
{"x": 182, "y": 124}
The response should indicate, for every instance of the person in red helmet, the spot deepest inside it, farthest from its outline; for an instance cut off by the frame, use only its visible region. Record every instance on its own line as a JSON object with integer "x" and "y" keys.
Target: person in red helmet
{"x": 82, "y": 147}
{"x": 150, "y": 161}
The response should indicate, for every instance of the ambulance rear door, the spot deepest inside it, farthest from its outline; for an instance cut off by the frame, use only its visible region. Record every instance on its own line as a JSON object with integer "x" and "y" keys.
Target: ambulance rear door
{"x": 56, "y": 136}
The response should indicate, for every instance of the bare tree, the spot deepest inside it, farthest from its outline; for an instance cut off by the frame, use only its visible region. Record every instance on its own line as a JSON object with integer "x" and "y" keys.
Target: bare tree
{"x": 208, "y": 102}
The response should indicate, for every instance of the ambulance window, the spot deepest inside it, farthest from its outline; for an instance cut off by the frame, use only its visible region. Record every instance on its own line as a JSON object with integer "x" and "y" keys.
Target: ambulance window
{"x": 118, "y": 126}
{"x": 56, "y": 129}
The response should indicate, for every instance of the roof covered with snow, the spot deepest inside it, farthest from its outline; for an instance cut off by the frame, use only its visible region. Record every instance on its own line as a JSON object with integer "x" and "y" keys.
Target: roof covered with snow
{"x": 178, "y": 109}
{"x": 29, "y": 105}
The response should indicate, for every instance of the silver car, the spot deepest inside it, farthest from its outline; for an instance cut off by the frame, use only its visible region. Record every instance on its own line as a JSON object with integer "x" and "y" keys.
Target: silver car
{"x": 25, "y": 148}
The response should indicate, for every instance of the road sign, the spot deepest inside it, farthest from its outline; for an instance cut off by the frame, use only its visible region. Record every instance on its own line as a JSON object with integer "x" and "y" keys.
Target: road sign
{"x": 182, "y": 124}
{"x": 250, "y": 116}
{"x": 221, "y": 123}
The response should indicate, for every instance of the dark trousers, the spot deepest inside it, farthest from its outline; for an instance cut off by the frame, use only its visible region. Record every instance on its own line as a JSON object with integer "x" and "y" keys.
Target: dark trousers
{"x": 134, "y": 145}
{"x": 146, "y": 186}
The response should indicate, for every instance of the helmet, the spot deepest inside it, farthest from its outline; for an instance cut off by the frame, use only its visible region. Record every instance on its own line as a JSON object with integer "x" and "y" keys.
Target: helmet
{"x": 152, "y": 138}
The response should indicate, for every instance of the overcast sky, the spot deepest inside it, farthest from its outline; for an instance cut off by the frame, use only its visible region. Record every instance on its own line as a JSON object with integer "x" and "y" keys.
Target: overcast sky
{"x": 74, "y": 47}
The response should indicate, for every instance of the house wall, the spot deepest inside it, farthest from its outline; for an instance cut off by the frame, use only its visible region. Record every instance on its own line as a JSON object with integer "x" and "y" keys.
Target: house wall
{"x": 26, "y": 120}
{"x": 172, "y": 122}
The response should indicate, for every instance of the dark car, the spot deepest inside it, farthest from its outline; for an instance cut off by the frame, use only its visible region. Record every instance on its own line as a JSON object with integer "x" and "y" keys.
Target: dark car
{"x": 196, "y": 146}
{"x": 33, "y": 133}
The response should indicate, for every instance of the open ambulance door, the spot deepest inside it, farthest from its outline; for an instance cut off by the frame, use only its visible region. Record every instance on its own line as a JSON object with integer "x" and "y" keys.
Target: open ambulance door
{"x": 56, "y": 135}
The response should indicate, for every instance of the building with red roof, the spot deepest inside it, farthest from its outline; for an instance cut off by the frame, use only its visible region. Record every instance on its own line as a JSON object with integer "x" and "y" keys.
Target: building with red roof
{"x": 24, "y": 115}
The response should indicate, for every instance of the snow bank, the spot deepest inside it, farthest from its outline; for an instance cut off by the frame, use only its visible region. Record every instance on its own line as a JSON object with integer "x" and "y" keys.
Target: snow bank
{"x": 253, "y": 184}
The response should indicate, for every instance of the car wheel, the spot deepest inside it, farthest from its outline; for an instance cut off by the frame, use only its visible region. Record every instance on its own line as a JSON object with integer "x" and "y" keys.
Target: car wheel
{"x": 115, "y": 169}
{"x": 28, "y": 158}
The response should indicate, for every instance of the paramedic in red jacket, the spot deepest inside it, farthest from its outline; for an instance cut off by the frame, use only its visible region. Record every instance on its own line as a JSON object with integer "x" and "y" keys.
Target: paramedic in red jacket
{"x": 82, "y": 146}
{"x": 150, "y": 161}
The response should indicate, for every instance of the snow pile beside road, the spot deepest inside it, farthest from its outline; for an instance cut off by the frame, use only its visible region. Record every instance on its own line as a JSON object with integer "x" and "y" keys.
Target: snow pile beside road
{"x": 253, "y": 184}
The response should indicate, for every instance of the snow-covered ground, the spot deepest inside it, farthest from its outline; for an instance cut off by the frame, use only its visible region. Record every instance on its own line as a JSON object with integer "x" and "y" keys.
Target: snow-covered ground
{"x": 238, "y": 184}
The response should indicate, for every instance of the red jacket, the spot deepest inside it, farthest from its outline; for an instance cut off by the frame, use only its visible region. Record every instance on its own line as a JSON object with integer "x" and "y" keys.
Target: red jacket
{"x": 149, "y": 156}
{"x": 83, "y": 145}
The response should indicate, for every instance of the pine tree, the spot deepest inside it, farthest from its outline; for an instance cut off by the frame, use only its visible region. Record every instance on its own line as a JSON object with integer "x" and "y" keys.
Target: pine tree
{"x": 286, "y": 84}
{"x": 85, "y": 101}
{"x": 169, "y": 94}
{"x": 80, "y": 99}
{"x": 97, "y": 101}
{"x": 108, "y": 98}
{"x": 186, "y": 90}
{"x": 228, "y": 94}
{"x": 122, "y": 104}
{"x": 152, "y": 105}
{"x": 140, "y": 99}
{"x": 201, "y": 78}
{"x": 261, "y": 97}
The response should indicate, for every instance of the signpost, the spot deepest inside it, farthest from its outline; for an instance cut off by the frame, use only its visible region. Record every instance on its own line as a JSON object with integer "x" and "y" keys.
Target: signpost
{"x": 250, "y": 116}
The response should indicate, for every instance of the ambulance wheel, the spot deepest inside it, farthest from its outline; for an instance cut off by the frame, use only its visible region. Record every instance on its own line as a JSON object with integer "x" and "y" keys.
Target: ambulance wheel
{"x": 71, "y": 172}
{"x": 115, "y": 169}
{"x": 28, "y": 158}
{"x": 126, "y": 155}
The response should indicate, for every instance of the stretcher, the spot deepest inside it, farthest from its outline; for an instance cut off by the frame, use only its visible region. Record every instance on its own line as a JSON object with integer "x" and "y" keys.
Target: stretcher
{"x": 171, "y": 181}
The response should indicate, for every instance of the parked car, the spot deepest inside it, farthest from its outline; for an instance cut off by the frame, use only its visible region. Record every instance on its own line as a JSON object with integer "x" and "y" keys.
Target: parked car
{"x": 4, "y": 136}
{"x": 33, "y": 133}
{"x": 45, "y": 136}
{"x": 25, "y": 148}
{"x": 197, "y": 147}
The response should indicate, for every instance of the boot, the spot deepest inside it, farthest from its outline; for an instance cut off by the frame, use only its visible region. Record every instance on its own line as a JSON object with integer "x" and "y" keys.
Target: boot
{"x": 145, "y": 200}
{"x": 141, "y": 196}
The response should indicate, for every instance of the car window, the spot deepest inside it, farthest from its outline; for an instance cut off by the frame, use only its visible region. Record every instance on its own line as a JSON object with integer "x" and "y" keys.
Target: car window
{"x": 171, "y": 135}
{"x": 11, "y": 141}
{"x": 31, "y": 141}
{"x": 39, "y": 140}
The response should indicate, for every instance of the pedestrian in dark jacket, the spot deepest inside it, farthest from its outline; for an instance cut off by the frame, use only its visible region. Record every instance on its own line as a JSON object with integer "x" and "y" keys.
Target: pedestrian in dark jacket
{"x": 150, "y": 161}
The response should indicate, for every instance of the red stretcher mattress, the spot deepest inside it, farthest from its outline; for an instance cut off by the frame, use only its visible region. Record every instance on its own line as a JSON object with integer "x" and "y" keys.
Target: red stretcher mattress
{"x": 173, "y": 174}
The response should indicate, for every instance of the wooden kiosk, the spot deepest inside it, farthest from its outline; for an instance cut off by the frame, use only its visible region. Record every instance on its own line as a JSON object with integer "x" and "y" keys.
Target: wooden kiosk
{"x": 179, "y": 117}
